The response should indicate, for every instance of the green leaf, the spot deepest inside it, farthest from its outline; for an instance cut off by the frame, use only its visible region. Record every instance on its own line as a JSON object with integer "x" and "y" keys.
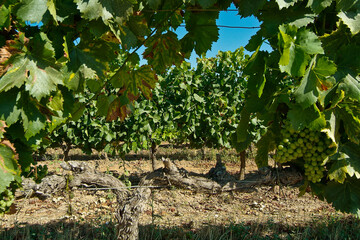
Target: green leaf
{"x": 56, "y": 103}
{"x": 349, "y": 113}
{"x": 242, "y": 129}
{"x": 52, "y": 9}
{"x": 254, "y": 42}
{"x": 4, "y": 17}
{"x": 351, "y": 19}
{"x": 256, "y": 68}
{"x": 318, "y": 5}
{"x": 206, "y": 3}
{"x": 342, "y": 166}
{"x": 310, "y": 117}
{"x": 8, "y": 109}
{"x": 264, "y": 146}
{"x": 198, "y": 98}
{"x": 32, "y": 10}
{"x": 307, "y": 93}
{"x": 117, "y": 10}
{"x": 9, "y": 168}
{"x": 286, "y": 3}
{"x": 298, "y": 46}
{"x": 33, "y": 120}
{"x": 202, "y": 32}
{"x": 344, "y": 197}
{"x": 249, "y": 7}
{"x": 39, "y": 80}
{"x": 154, "y": 4}
{"x": 350, "y": 84}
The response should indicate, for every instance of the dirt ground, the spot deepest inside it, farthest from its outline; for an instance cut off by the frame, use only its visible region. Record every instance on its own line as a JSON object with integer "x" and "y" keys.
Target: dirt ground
{"x": 169, "y": 207}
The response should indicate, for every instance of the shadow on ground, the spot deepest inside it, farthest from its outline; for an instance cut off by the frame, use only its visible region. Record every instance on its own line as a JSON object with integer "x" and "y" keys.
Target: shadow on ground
{"x": 341, "y": 228}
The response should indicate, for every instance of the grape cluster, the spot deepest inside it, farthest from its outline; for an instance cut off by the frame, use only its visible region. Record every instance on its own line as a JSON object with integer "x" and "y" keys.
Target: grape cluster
{"x": 6, "y": 200}
{"x": 312, "y": 146}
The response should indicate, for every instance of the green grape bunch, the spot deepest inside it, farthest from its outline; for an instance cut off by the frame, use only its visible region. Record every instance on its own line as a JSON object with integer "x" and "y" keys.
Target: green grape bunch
{"x": 6, "y": 200}
{"x": 313, "y": 147}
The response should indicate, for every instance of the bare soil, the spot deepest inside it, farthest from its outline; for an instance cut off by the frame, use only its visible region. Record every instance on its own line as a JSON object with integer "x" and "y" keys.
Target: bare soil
{"x": 169, "y": 207}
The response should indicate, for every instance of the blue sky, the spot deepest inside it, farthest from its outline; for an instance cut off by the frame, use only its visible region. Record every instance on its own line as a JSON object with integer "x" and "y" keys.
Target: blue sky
{"x": 229, "y": 38}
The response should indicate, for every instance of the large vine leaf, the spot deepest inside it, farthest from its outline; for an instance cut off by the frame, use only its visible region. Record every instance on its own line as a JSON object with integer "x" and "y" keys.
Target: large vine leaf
{"x": 9, "y": 168}
{"x": 297, "y": 47}
{"x": 316, "y": 78}
{"x": 163, "y": 51}
{"x": 38, "y": 80}
{"x": 36, "y": 69}
{"x": 344, "y": 196}
{"x": 202, "y": 31}
{"x": 32, "y": 10}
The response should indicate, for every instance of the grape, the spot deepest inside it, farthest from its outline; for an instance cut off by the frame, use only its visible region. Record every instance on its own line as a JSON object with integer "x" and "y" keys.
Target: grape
{"x": 6, "y": 200}
{"x": 312, "y": 147}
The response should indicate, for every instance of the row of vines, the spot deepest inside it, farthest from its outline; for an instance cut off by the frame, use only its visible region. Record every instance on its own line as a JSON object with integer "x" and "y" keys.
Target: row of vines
{"x": 199, "y": 107}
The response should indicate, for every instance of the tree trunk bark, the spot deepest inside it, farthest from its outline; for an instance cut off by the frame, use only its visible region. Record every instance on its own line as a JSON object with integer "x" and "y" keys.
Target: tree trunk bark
{"x": 203, "y": 153}
{"x": 242, "y": 165}
{"x": 153, "y": 150}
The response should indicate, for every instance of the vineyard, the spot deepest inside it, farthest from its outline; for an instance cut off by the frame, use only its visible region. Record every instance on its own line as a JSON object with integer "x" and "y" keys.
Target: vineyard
{"x": 71, "y": 78}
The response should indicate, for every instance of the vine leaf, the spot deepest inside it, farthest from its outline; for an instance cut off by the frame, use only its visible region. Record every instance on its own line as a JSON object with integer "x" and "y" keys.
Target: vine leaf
{"x": 242, "y": 129}
{"x": 344, "y": 197}
{"x": 316, "y": 76}
{"x": 118, "y": 10}
{"x": 130, "y": 81}
{"x": 318, "y": 5}
{"x": 118, "y": 109}
{"x": 154, "y": 4}
{"x": 256, "y": 68}
{"x": 349, "y": 113}
{"x": 297, "y": 45}
{"x": 206, "y": 3}
{"x": 350, "y": 84}
{"x": 286, "y": 3}
{"x": 314, "y": 119}
{"x": 202, "y": 32}
{"x": 163, "y": 51}
{"x": 264, "y": 146}
{"x": 343, "y": 165}
{"x": 351, "y": 19}
{"x": 2, "y": 128}
{"x": 9, "y": 168}
{"x": 32, "y": 10}
{"x": 33, "y": 120}
{"x": 249, "y": 7}
{"x": 38, "y": 81}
